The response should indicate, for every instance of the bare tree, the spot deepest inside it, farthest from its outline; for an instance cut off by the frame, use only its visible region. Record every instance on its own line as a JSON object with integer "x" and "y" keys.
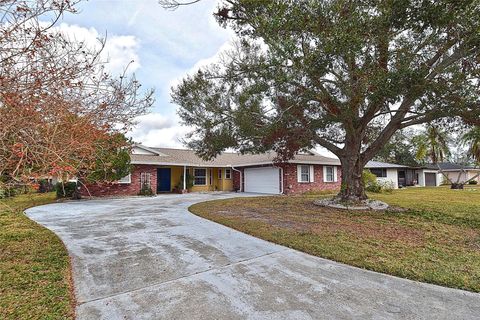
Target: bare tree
{"x": 58, "y": 104}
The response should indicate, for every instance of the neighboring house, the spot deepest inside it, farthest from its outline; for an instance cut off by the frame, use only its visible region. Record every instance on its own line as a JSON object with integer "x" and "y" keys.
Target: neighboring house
{"x": 404, "y": 176}
{"x": 165, "y": 170}
{"x": 422, "y": 176}
{"x": 455, "y": 172}
{"x": 394, "y": 174}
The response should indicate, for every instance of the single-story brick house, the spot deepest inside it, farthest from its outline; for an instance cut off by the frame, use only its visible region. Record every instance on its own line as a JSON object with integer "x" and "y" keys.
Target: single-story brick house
{"x": 167, "y": 170}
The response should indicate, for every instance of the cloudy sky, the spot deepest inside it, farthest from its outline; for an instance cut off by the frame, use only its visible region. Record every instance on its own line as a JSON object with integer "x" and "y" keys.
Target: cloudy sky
{"x": 165, "y": 45}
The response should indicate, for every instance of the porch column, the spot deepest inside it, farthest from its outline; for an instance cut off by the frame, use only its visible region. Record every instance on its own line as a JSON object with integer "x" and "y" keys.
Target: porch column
{"x": 184, "y": 177}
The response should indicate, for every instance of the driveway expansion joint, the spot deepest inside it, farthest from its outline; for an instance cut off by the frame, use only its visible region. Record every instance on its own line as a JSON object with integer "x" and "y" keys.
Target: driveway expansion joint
{"x": 210, "y": 270}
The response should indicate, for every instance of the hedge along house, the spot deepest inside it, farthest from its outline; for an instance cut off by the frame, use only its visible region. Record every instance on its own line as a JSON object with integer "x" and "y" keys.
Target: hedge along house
{"x": 178, "y": 170}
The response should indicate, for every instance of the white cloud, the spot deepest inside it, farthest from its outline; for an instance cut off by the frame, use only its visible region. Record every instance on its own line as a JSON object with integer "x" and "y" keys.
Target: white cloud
{"x": 119, "y": 50}
{"x": 157, "y": 130}
{"x": 169, "y": 44}
{"x": 152, "y": 121}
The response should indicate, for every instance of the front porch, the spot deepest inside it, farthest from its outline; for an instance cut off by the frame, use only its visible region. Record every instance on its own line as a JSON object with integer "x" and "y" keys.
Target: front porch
{"x": 181, "y": 179}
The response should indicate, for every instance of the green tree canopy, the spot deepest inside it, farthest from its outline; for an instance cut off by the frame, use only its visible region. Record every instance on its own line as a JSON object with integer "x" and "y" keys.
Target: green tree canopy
{"x": 398, "y": 150}
{"x": 344, "y": 75}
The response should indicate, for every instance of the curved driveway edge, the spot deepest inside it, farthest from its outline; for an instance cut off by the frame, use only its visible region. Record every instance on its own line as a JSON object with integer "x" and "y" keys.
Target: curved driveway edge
{"x": 149, "y": 258}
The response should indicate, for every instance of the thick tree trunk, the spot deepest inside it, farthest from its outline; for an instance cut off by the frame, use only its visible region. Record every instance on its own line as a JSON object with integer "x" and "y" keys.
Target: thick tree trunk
{"x": 353, "y": 188}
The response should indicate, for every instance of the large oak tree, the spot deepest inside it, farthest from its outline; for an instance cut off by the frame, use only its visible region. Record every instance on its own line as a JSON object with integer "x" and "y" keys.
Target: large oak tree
{"x": 344, "y": 75}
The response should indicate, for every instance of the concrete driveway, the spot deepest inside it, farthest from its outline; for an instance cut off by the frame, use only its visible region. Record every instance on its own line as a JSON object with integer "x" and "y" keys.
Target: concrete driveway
{"x": 149, "y": 258}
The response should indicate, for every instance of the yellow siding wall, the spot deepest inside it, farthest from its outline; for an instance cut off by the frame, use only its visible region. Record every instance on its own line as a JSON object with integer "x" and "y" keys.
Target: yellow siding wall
{"x": 217, "y": 184}
{"x": 177, "y": 173}
{"x": 223, "y": 184}
{"x": 227, "y": 183}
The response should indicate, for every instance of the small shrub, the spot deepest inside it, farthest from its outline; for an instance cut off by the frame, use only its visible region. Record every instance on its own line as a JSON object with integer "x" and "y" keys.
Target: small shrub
{"x": 66, "y": 190}
{"x": 188, "y": 180}
{"x": 6, "y": 192}
{"x": 473, "y": 182}
{"x": 45, "y": 186}
{"x": 146, "y": 190}
{"x": 375, "y": 188}
{"x": 372, "y": 184}
{"x": 386, "y": 186}
{"x": 370, "y": 181}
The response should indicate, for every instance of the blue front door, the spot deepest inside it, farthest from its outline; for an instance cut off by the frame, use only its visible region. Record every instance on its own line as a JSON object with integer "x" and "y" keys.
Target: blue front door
{"x": 163, "y": 179}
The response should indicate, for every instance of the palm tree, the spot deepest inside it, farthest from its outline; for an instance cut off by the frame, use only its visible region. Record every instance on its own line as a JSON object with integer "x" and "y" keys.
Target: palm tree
{"x": 471, "y": 139}
{"x": 432, "y": 145}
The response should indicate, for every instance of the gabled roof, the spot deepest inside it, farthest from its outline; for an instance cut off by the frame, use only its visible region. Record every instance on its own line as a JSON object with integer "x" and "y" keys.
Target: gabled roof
{"x": 184, "y": 157}
{"x": 147, "y": 149}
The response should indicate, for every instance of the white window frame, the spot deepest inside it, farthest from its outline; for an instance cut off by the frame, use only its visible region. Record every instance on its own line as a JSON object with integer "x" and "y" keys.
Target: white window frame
{"x": 219, "y": 174}
{"x": 195, "y": 176}
{"x": 126, "y": 180}
{"x": 311, "y": 173}
{"x": 229, "y": 174}
{"x": 301, "y": 174}
{"x": 334, "y": 174}
{"x": 210, "y": 176}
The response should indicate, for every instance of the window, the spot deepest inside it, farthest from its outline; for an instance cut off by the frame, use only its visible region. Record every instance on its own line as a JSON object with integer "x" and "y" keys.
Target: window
{"x": 125, "y": 180}
{"x": 145, "y": 179}
{"x": 210, "y": 176}
{"x": 304, "y": 173}
{"x": 329, "y": 174}
{"x": 200, "y": 176}
{"x": 379, "y": 172}
{"x": 228, "y": 173}
{"x": 219, "y": 174}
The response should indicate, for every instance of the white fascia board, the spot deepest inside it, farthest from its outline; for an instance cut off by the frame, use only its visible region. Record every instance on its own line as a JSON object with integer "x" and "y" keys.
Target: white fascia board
{"x": 291, "y": 162}
{"x": 153, "y": 163}
{"x": 148, "y": 149}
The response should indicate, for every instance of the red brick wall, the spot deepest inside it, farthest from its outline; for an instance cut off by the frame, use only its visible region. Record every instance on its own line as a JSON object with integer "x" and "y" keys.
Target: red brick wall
{"x": 117, "y": 189}
{"x": 290, "y": 183}
{"x": 236, "y": 180}
{"x": 292, "y": 186}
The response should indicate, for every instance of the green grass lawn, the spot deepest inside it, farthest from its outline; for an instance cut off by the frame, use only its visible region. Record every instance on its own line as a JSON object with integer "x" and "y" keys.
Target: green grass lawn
{"x": 437, "y": 240}
{"x": 34, "y": 265}
{"x": 440, "y": 203}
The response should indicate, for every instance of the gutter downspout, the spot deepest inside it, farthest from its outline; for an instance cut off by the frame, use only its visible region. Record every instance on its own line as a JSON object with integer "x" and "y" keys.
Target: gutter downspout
{"x": 240, "y": 174}
{"x": 184, "y": 178}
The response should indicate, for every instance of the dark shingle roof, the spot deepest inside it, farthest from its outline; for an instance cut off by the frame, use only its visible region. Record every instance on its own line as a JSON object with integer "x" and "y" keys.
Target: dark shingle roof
{"x": 448, "y": 166}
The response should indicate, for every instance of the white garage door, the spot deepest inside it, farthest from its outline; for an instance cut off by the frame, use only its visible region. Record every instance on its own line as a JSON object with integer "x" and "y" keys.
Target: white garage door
{"x": 262, "y": 180}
